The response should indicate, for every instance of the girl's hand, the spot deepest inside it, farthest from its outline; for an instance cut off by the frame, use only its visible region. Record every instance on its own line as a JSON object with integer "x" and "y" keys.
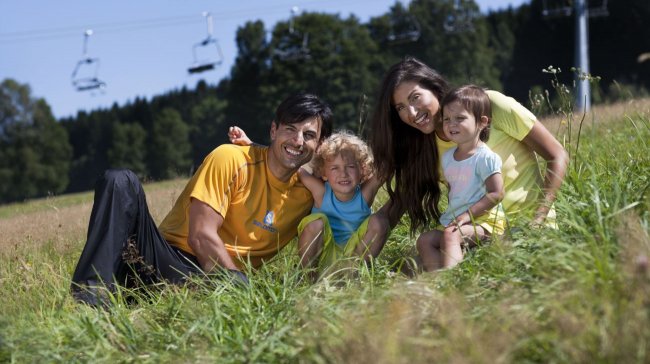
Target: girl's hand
{"x": 238, "y": 136}
{"x": 461, "y": 220}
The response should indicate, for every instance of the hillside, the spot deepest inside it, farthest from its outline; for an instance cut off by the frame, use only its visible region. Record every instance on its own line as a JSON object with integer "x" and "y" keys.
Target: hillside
{"x": 579, "y": 293}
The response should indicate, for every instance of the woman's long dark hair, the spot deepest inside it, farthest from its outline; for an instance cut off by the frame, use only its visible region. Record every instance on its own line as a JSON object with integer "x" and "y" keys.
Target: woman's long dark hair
{"x": 405, "y": 153}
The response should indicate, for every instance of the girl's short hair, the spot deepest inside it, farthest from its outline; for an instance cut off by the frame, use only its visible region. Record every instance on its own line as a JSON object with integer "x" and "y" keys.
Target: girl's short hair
{"x": 476, "y": 101}
{"x": 342, "y": 141}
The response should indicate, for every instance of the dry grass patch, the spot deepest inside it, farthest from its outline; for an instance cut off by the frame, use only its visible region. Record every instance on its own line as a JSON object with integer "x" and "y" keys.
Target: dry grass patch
{"x": 599, "y": 114}
{"x": 57, "y": 221}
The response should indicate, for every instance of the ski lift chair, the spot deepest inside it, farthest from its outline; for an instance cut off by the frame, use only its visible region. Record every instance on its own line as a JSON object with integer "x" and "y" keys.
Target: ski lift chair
{"x": 564, "y": 8}
{"x": 293, "y": 46}
{"x": 599, "y": 9}
{"x": 556, "y": 9}
{"x": 84, "y": 76}
{"x": 459, "y": 20}
{"x": 404, "y": 27}
{"x": 90, "y": 82}
{"x": 405, "y": 31}
{"x": 206, "y": 65}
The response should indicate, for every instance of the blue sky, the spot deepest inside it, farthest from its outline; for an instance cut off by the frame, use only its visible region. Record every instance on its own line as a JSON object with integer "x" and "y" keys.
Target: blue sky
{"x": 144, "y": 46}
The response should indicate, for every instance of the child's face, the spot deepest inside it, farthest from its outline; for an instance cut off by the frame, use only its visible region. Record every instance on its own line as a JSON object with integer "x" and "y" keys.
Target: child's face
{"x": 460, "y": 125}
{"x": 343, "y": 172}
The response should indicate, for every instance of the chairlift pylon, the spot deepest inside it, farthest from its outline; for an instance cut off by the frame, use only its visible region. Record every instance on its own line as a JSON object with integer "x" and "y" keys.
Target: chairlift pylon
{"x": 206, "y": 65}
{"x": 293, "y": 45}
{"x": 90, "y": 81}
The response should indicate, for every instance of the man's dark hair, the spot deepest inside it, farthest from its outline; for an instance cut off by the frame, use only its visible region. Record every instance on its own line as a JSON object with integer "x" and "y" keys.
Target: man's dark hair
{"x": 302, "y": 106}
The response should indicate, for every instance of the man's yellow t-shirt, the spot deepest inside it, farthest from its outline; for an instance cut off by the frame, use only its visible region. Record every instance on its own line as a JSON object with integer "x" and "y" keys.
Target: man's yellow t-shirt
{"x": 261, "y": 213}
{"x": 522, "y": 180}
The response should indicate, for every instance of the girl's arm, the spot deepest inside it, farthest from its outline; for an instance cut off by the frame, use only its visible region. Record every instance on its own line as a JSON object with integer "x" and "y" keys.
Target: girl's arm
{"x": 542, "y": 142}
{"x": 493, "y": 195}
{"x": 369, "y": 189}
{"x": 315, "y": 185}
{"x": 238, "y": 136}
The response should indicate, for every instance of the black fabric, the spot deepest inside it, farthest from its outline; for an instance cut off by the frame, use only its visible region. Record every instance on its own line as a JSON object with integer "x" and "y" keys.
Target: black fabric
{"x": 124, "y": 245}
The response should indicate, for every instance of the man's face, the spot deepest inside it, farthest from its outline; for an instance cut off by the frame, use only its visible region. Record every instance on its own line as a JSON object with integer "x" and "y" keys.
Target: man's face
{"x": 292, "y": 145}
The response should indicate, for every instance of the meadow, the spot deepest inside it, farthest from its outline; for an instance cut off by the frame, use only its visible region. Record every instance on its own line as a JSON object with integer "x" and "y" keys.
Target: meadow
{"x": 578, "y": 293}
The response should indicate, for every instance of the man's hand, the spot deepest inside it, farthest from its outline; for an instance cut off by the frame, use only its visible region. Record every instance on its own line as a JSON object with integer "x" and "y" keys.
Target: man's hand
{"x": 234, "y": 276}
{"x": 238, "y": 136}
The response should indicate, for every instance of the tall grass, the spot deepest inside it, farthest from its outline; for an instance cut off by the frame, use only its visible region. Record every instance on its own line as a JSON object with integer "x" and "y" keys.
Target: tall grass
{"x": 579, "y": 293}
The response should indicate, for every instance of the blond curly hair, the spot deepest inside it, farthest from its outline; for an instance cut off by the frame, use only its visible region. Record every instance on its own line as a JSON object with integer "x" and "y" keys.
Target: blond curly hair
{"x": 338, "y": 143}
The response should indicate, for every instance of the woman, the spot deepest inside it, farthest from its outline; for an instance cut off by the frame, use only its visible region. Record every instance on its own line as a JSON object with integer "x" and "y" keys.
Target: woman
{"x": 407, "y": 139}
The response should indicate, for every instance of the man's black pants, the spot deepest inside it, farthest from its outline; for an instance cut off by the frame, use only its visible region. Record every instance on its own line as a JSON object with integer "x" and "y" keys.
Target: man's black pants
{"x": 124, "y": 245}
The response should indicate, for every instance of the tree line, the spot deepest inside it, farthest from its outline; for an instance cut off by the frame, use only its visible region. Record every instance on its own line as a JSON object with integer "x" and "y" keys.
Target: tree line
{"x": 340, "y": 59}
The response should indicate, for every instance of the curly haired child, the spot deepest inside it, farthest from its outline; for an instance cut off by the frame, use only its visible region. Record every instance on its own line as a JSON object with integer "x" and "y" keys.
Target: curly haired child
{"x": 337, "y": 225}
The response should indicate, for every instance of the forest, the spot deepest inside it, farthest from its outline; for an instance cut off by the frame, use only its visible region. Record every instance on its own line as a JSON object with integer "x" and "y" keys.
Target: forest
{"x": 340, "y": 59}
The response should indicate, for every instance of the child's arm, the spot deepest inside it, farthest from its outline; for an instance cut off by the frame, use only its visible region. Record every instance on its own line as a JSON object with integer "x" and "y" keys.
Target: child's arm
{"x": 369, "y": 189}
{"x": 493, "y": 195}
{"x": 238, "y": 136}
{"x": 315, "y": 185}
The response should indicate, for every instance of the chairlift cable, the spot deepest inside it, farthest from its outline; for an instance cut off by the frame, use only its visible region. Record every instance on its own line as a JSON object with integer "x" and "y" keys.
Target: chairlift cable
{"x": 40, "y": 34}
{"x": 130, "y": 25}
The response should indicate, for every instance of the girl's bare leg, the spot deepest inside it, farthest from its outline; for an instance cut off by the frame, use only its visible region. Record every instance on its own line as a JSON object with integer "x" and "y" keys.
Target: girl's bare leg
{"x": 429, "y": 249}
{"x": 453, "y": 239}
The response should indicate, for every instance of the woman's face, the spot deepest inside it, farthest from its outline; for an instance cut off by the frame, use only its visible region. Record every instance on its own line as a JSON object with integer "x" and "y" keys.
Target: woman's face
{"x": 417, "y": 106}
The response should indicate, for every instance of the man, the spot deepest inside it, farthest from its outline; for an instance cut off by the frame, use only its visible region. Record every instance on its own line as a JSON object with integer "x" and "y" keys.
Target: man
{"x": 242, "y": 205}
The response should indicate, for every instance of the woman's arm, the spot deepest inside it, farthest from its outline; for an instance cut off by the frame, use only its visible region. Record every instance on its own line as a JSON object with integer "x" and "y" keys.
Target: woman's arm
{"x": 542, "y": 142}
{"x": 315, "y": 185}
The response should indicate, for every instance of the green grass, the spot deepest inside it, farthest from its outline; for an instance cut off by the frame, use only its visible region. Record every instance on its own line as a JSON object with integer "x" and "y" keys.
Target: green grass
{"x": 580, "y": 293}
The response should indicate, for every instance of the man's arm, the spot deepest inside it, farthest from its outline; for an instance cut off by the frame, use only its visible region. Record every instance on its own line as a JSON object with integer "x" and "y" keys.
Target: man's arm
{"x": 204, "y": 239}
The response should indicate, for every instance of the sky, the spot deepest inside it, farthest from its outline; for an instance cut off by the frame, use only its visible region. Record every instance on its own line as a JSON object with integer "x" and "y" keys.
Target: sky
{"x": 144, "y": 47}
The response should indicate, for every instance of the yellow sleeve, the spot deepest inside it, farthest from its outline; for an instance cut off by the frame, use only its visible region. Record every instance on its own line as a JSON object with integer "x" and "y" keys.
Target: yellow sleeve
{"x": 219, "y": 177}
{"x": 510, "y": 116}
